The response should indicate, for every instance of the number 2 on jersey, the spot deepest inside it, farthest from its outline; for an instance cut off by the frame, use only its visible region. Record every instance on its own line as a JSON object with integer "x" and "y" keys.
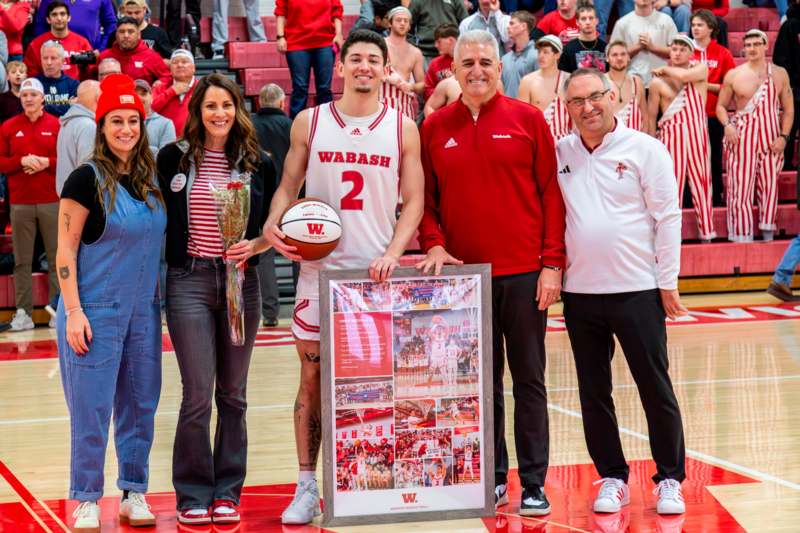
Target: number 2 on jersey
{"x": 351, "y": 201}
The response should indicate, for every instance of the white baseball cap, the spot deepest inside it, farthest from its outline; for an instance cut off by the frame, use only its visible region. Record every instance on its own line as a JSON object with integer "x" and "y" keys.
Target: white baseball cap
{"x": 32, "y": 84}
{"x": 551, "y": 40}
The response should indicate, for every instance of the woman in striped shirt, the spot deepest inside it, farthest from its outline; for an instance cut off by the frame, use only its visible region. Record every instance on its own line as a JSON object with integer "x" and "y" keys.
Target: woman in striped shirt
{"x": 219, "y": 142}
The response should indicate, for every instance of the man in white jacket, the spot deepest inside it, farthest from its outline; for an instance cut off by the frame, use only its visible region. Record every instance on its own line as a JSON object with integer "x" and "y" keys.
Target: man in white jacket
{"x": 76, "y": 137}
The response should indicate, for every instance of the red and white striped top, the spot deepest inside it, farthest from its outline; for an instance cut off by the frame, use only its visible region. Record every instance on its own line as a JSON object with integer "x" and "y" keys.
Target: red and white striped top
{"x": 204, "y": 237}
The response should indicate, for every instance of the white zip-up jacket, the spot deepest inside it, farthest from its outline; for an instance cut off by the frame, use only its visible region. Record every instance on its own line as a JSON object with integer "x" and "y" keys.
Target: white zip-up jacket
{"x": 623, "y": 218}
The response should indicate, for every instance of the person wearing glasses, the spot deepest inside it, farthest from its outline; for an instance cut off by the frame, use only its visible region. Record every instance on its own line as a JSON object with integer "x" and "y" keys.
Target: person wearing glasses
{"x": 487, "y": 134}
{"x": 623, "y": 241}
{"x": 755, "y": 137}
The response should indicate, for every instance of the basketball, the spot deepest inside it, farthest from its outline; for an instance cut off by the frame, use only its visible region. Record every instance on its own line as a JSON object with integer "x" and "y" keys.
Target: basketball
{"x": 313, "y": 227}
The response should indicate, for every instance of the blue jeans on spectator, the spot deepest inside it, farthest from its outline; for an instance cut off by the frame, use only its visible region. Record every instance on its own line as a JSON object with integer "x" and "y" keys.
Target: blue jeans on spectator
{"x": 783, "y": 6}
{"x": 791, "y": 258}
{"x": 603, "y": 8}
{"x": 680, "y": 16}
{"x": 300, "y": 64}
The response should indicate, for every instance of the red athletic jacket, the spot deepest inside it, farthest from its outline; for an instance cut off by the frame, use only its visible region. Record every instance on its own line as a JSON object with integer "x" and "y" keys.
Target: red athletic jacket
{"x": 309, "y": 23}
{"x": 441, "y": 67}
{"x": 141, "y": 63}
{"x": 491, "y": 193}
{"x": 13, "y": 20}
{"x": 168, "y": 104}
{"x": 73, "y": 42}
{"x": 20, "y": 137}
{"x": 719, "y": 61}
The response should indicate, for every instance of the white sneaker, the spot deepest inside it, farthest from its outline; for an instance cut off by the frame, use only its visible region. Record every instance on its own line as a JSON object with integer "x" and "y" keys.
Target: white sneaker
{"x": 50, "y": 310}
{"x": 613, "y": 494}
{"x": 52, "y": 323}
{"x": 670, "y": 499}
{"x": 304, "y": 506}
{"x": 87, "y": 518}
{"x": 500, "y": 496}
{"x": 21, "y": 321}
{"x": 135, "y": 511}
{"x": 218, "y": 54}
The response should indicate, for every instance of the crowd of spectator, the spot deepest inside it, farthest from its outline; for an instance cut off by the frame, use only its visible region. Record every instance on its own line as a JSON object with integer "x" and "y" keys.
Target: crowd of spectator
{"x": 53, "y": 54}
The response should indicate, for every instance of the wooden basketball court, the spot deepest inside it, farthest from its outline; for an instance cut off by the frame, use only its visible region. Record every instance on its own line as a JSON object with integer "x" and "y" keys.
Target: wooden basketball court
{"x": 735, "y": 363}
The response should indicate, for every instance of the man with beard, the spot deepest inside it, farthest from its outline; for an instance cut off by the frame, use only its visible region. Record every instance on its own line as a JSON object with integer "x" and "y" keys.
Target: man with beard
{"x": 155, "y": 37}
{"x": 678, "y": 92}
{"x": 136, "y": 59}
{"x": 406, "y": 77}
{"x": 755, "y": 137}
{"x": 630, "y": 105}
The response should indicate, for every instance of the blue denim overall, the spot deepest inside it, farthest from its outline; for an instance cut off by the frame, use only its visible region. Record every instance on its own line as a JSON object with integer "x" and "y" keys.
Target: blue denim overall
{"x": 117, "y": 284}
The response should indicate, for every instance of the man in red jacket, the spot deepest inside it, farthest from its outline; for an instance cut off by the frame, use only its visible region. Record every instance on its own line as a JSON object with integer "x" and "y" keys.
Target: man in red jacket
{"x": 719, "y": 61}
{"x": 491, "y": 196}
{"x": 28, "y": 157}
{"x": 73, "y": 43}
{"x": 171, "y": 100}
{"x": 137, "y": 59}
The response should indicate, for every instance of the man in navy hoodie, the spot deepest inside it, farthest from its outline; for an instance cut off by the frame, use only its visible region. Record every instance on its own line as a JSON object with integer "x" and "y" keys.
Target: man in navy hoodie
{"x": 58, "y": 87}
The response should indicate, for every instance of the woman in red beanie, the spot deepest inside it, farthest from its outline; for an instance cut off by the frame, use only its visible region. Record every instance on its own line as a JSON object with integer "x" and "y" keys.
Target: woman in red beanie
{"x": 219, "y": 143}
{"x": 110, "y": 225}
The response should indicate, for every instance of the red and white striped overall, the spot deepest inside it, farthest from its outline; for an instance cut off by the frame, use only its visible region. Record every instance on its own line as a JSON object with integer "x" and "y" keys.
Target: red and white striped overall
{"x": 683, "y": 129}
{"x": 406, "y": 103}
{"x": 557, "y": 116}
{"x": 631, "y": 113}
{"x": 752, "y": 165}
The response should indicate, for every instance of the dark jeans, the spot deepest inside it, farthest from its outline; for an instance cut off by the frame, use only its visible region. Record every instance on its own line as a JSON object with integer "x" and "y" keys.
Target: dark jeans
{"x": 174, "y": 18}
{"x": 637, "y": 320}
{"x": 517, "y": 321}
{"x": 270, "y": 306}
{"x": 715, "y": 134}
{"x": 300, "y": 64}
{"x": 209, "y": 364}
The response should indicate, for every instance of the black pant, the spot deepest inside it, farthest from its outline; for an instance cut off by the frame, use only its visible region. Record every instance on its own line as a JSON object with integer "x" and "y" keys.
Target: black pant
{"x": 715, "y": 134}
{"x": 516, "y": 320}
{"x": 211, "y": 369}
{"x": 174, "y": 18}
{"x": 637, "y": 320}
{"x": 788, "y": 153}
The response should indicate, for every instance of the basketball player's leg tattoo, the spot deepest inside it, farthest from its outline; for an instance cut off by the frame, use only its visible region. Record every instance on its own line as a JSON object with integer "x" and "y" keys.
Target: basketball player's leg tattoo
{"x": 315, "y": 436}
{"x": 311, "y": 357}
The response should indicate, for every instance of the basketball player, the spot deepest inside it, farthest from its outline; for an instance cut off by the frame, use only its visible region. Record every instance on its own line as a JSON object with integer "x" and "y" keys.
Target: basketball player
{"x": 438, "y": 350}
{"x": 455, "y": 413}
{"x": 679, "y": 92}
{"x": 361, "y": 470}
{"x": 509, "y": 141}
{"x": 402, "y": 476}
{"x": 754, "y": 137}
{"x": 437, "y": 475}
{"x": 542, "y": 87}
{"x": 452, "y": 364}
{"x": 630, "y": 104}
{"x": 468, "y": 462}
{"x": 406, "y": 77}
{"x": 358, "y": 128}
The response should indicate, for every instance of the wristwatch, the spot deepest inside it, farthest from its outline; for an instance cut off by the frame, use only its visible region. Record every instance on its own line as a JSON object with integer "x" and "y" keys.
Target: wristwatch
{"x": 786, "y": 137}
{"x": 280, "y": 37}
{"x": 557, "y": 269}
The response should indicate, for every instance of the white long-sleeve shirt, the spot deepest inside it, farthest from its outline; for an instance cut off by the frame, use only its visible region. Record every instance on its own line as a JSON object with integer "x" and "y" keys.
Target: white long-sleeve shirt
{"x": 623, "y": 220}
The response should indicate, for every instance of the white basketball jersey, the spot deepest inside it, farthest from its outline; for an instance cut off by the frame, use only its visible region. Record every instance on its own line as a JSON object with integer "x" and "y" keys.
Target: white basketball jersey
{"x": 354, "y": 165}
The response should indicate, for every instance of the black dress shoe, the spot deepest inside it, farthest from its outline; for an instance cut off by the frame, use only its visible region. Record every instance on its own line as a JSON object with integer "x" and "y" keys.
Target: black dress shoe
{"x": 270, "y": 322}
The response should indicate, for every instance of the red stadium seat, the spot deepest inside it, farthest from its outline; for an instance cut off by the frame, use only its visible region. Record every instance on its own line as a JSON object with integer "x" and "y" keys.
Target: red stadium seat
{"x": 237, "y": 28}
{"x": 788, "y": 221}
{"x": 746, "y": 18}
{"x": 255, "y": 55}
{"x": 255, "y": 78}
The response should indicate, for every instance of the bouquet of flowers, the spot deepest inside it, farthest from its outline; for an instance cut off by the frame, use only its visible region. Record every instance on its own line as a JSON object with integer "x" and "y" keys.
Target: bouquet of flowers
{"x": 233, "y": 209}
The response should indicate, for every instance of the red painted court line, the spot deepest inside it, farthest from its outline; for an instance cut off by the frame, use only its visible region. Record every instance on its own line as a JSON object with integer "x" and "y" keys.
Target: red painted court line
{"x": 25, "y": 495}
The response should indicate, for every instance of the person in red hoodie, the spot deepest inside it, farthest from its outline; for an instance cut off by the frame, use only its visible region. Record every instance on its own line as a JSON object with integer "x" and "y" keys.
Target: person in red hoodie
{"x": 14, "y": 16}
{"x": 307, "y": 31}
{"x": 28, "y": 157}
{"x": 171, "y": 100}
{"x": 73, "y": 43}
{"x": 719, "y": 61}
{"x": 137, "y": 59}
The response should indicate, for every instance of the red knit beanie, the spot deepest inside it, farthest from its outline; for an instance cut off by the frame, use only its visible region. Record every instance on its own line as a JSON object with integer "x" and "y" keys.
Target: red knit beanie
{"x": 117, "y": 91}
